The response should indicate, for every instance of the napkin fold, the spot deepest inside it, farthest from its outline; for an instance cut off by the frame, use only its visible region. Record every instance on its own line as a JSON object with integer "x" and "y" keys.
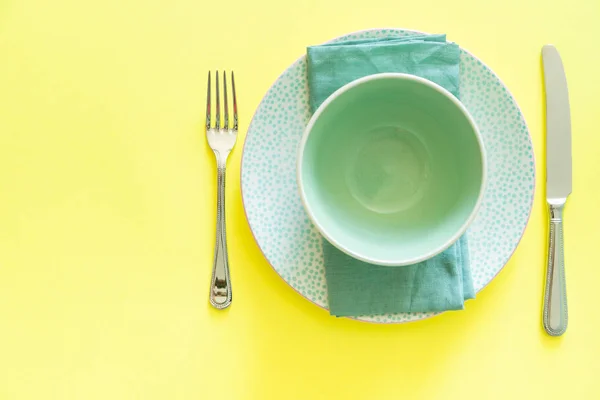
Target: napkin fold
{"x": 354, "y": 287}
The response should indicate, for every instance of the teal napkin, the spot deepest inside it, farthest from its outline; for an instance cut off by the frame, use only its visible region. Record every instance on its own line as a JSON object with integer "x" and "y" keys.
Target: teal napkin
{"x": 356, "y": 288}
{"x": 331, "y": 66}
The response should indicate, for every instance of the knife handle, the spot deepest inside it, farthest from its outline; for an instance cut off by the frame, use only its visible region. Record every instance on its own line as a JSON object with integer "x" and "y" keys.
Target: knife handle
{"x": 555, "y": 299}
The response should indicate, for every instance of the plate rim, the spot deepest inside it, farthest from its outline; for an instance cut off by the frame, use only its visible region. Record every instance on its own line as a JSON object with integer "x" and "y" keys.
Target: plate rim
{"x": 433, "y": 314}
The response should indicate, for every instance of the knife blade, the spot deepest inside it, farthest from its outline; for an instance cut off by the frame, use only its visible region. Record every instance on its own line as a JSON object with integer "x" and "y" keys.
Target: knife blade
{"x": 558, "y": 187}
{"x": 558, "y": 128}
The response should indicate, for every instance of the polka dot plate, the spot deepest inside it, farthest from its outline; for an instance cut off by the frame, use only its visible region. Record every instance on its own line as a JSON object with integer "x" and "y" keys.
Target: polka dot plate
{"x": 293, "y": 246}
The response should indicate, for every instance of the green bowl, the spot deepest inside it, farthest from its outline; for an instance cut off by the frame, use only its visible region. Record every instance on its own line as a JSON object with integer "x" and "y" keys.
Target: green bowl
{"x": 391, "y": 169}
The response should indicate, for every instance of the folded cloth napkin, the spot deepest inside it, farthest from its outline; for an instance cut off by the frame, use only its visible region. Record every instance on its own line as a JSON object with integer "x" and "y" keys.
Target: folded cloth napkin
{"x": 354, "y": 287}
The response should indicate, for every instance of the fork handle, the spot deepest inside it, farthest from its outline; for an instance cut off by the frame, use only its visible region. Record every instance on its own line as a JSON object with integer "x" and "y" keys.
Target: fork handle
{"x": 555, "y": 300}
{"x": 220, "y": 283}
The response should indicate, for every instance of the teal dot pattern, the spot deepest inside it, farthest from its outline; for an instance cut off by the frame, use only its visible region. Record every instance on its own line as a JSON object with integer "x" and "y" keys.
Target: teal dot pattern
{"x": 293, "y": 246}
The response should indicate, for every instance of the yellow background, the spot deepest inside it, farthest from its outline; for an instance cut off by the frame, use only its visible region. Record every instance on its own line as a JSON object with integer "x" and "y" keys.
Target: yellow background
{"x": 107, "y": 211}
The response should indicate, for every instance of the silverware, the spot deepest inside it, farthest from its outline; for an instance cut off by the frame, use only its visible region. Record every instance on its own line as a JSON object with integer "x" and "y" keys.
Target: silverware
{"x": 558, "y": 187}
{"x": 221, "y": 140}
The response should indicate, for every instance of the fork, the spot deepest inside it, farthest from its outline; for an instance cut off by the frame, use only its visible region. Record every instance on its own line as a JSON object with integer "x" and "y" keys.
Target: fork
{"x": 221, "y": 140}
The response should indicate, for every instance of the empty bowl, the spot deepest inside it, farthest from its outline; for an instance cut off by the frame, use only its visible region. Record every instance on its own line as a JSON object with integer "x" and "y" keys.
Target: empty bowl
{"x": 391, "y": 169}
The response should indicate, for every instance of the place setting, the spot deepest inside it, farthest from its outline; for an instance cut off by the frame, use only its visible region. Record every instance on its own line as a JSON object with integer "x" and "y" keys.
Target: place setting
{"x": 388, "y": 176}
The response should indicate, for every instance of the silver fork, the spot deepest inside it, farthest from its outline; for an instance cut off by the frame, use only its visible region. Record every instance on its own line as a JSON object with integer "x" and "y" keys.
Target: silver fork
{"x": 221, "y": 141}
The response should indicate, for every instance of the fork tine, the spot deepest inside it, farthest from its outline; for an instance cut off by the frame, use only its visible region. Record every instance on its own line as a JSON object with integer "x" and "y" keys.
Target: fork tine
{"x": 225, "y": 106}
{"x": 235, "y": 115}
{"x": 218, "y": 111}
{"x": 208, "y": 104}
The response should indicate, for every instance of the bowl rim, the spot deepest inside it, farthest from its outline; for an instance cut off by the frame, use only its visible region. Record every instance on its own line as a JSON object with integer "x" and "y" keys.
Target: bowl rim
{"x": 299, "y": 161}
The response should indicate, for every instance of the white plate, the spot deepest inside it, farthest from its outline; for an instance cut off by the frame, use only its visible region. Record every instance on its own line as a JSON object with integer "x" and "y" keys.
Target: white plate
{"x": 293, "y": 246}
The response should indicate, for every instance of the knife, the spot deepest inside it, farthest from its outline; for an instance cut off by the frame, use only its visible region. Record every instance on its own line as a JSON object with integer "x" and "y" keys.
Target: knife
{"x": 558, "y": 187}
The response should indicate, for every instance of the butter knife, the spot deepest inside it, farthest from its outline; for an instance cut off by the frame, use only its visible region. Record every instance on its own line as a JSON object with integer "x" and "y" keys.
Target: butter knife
{"x": 558, "y": 187}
